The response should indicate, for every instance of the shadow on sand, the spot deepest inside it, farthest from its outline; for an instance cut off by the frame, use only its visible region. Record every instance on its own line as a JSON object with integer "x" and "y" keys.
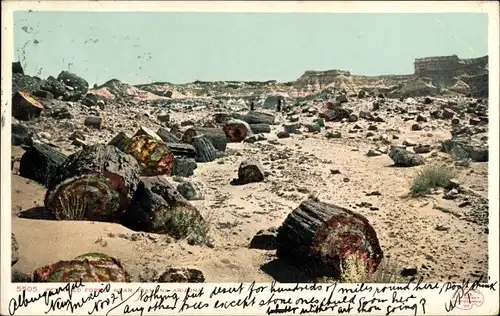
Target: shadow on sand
{"x": 38, "y": 212}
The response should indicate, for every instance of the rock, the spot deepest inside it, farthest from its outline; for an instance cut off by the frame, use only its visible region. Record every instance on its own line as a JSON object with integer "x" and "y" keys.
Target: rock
{"x": 55, "y": 87}
{"x": 442, "y": 228}
{"x": 43, "y": 94}
{"x": 254, "y": 138}
{"x": 334, "y": 171}
{"x": 373, "y": 153}
{"x": 14, "y": 250}
{"x": 420, "y": 118}
{"x": 333, "y": 135}
{"x": 361, "y": 94}
{"x": 372, "y": 127}
{"x": 190, "y": 191}
{"x": 93, "y": 121}
{"x": 182, "y": 275}
{"x": 184, "y": 167}
{"x": 80, "y": 86}
{"x": 283, "y": 134}
{"x": 143, "y": 130}
{"x": 463, "y": 147}
{"x": 428, "y": 100}
{"x": 462, "y": 163}
{"x": 422, "y": 149}
{"x": 448, "y": 113}
{"x": 21, "y": 134}
{"x": 17, "y": 68}
{"x": 451, "y": 194}
{"x": 25, "y": 107}
{"x": 370, "y": 134}
{"x": 416, "y": 127}
{"x": 406, "y": 272}
{"x": 352, "y": 118}
{"x": 376, "y": 106}
{"x": 250, "y": 170}
{"x": 265, "y": 239}
{"x": 341, "y": 98}
{"x": 404, "y": 158}
{"x": 78, "y": 142}
{"x": 91, "y": 99}
{"x": 474, "y": 121}
{"x": 455, "y": 121}
{"x": 408, "y": 143}
{"x": 163, "y": 117}
{"x": 320, "y": 122}
{"x": 313, "y": 128}
{"x": 292, "y": 128}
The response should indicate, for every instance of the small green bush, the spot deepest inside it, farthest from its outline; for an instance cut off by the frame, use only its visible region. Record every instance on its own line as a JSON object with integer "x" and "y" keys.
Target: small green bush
{"x": 185, "y": 223}
{"x": 431, "y": 177}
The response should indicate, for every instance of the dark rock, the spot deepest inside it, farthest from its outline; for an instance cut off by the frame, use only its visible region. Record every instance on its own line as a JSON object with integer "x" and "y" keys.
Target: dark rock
{"x": 406, "y": 272}
{"x": 422, "y": 149}
{"x": 21, "y": 134}
{"x": 43, "y": 94}
{"x": 17, "y": 68}
{"x": 416, "y": 127}
{"x": 55, "y": 87}
{"x": 283, "y": 134}
{"x": 80, "y": 86}
{"x": 265, "y": 239}
{"x": 250, "y": 170}
{"x": 190, "y": 191}
{"x": 25, "y": 107}
{"x": 464, "y": 147}
{"x": 182, "y": 275}
{"x": 333, "y": 135}
{"x": 184, "y": 167}
{"x": 404, "y": 158}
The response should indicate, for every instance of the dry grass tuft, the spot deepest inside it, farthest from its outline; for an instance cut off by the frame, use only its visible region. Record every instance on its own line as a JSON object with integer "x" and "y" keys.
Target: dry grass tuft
{"x": 431, "y": 177}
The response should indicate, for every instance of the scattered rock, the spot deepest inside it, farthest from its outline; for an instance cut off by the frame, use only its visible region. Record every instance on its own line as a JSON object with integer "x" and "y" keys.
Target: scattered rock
{"x": 265, "y": 239}
{"x": 250, "y": 170}
{"x": 404, "y": 158}
{"x": 190, "y": 191}
{"x": 182, "y": 275}
{"x": 94, "y": 122}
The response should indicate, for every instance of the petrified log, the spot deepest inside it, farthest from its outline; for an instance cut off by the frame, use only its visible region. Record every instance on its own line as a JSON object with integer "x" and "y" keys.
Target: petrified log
{"x": 166, "y": 136}
{"x": 95, "y": 183}
{"x": 321, "y": 235}
{"x": 221, "y": 118}
{"x": 182, "y": 150}
{"x": 184, "y": 167}
{"x": 205, "y": 151}
{"x": 154, "y": 203}
{"x": 90, "y": 267}
{"x": 255, "y": 117}
{"x": 237, "y": 130}
{"x": 143, "y": 130}
{"x": 216, "y": 136}
{"x": 40, "y": 162}
{"x": 120, "y": 141}
{"x": 153, "y": 155}
{"x": 260, "y": 128}
{"x": 25, "y": 107}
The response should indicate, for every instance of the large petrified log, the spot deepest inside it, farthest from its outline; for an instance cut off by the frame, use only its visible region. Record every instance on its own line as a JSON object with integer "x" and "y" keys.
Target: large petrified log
{"x": 95, "y": 183}
{"x": 260, "y": 128}
{"x": 25, "y": 107}
{"x": 255, "y": 117}
{"x": 157, "y": 207}
{"x": 40, "y": 162}
{"x": 153, "y": 155}
{"x": 205, "y": 151}
{"x": 215, "y": 135}
{"x": 89, "y": 267}
{"x": 321, "y": 235}
{"x": 237, "y": 130}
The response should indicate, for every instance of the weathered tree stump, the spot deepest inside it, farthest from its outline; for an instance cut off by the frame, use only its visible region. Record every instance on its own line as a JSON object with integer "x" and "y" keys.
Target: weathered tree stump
{"x": 166, "y": 136}
{"x": 260, "y": 128}
{"x": 90, "y": 267}
{"x": 40, "y": 162}
{"x": 237, "y": 130}
{"x": 153, "y": 204}
{"x": 153, "y": 155}
{"x": 95, "y": 183}
{"x": 205, "y": 151}
{"x": 216, "y": 136}
{"x": 321, "y": 235}
{"x": 25, "y": 107}
{"x": 255, "y": 117}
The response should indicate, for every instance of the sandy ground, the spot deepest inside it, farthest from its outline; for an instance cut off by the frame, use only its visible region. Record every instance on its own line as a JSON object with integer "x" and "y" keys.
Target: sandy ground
{"x": 298, "y": 166}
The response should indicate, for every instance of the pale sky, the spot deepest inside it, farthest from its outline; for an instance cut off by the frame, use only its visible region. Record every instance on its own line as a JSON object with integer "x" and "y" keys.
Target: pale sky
{"x": 142, "y": 47}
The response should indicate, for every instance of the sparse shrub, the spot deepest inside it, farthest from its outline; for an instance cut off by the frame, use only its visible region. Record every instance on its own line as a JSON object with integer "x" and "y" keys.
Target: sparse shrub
{"x": 353, "y": 269}
{"x": 72, "y": 207}
{"x": 431, "y": 177}
{"x": 182, "y": 222}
